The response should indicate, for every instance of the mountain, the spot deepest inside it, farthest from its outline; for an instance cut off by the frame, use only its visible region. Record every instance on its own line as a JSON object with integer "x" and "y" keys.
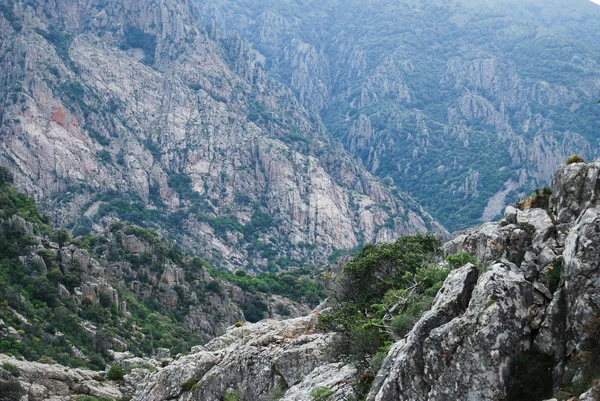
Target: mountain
{"x": 134, "y": 111}
{"x": 468, "y": 105}
{"x": 505, "y": 311}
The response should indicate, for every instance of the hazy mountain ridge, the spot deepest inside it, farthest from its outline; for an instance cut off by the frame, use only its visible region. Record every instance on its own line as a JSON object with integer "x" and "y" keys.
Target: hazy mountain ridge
{"x": 475, "y": 101}
{"x": 132, "y": 109}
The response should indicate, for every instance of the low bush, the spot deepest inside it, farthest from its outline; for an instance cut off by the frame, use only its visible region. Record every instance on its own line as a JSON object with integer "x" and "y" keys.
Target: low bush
{"x": 115, "y": 373}
{"x": 460, "y": 259}
{"x": 6, "y": 177}
{"x": 11, "y": 391}
{"x": 231, "y": 395}
{"x": 12, "y": 369}
{"x": 575, "y": 159}
{"x": 189, "y": 384}
{"x": 322, "y": 394}
{"x": 540, "y": 199}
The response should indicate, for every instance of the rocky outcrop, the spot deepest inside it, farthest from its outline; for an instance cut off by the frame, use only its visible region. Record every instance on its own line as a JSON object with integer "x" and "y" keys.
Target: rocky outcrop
{"x": 535, "y": 287}
{"x": 45, "y": 382}
{"x": 470, "y": 356}
{"x": 256, "y": 361}
{"x": 538, "y": 288}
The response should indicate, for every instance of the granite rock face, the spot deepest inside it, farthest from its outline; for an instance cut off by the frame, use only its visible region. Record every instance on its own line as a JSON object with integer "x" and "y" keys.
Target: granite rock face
{"x": 283, "y": 359}
{"x": 42, "y": 382}
{"x": 136, "y": 98}
{"x": 538, "y": 287}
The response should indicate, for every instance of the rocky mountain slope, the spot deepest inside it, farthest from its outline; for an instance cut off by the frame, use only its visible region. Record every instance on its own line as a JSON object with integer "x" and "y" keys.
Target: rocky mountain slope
{"x": 488, "y": 335}
{"x": 466, "y": 104}
{"x": 134, "y": 110}
{"x": 538, "y": 294}
{"x": 522, "y": 324}
{"x": 75, "y": 300}
{"x": 519, "y": 328}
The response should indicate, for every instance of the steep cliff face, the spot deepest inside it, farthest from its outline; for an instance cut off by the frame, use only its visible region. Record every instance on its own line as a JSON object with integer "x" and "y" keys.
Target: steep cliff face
{"x": 132, "y": 109}
{"x": 434, "y": 94}
{"x": 536, "y": 295}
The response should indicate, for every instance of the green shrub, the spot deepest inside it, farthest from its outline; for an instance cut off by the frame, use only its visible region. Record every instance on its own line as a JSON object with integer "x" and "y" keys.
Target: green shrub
{"x": 137, "y": 38}
{"x": 11, "y": 391}
{"x": 91, "y": 398}
{"x": 105, "y": 156}
{"x": 105, "y": 300}
{"x": 283, "y": 310}
{"x": 575, "y": 159}
{"x": 552, "y": 280}
{"x": 322, "y": 394}
{"x": 379, "y": 357}
{"x": 214, "y": 286}
{"x": 189, "y": 384}
{"x": 12, "y": 369}
{"x": 460, "y": 259}
{"x": 115, "y": 373}
{"x": 231, "y": 395}
{"x": 403, "y": 323}
{"x": 6, "y": 177}
{"x": 532, "y": 377}
{"x": 539, "y": 199}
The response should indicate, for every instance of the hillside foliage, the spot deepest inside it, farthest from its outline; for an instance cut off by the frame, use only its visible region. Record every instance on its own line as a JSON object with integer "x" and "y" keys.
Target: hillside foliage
{"x": 381, "y": 293}
{"x": 51, "y": 326}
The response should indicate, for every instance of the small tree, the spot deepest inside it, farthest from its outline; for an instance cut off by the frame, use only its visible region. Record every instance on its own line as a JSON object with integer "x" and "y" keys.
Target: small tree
{"x": 115, "y": 373}
{"x": 6, "y": 177}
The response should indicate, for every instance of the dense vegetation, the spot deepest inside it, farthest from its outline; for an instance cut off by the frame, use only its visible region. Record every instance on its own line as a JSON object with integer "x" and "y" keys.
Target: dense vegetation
{"x": 30, "y": 302}
{"x": 138, "y": 39}
{"x": 380, "y": 294}
{"x": 50, "y": 327}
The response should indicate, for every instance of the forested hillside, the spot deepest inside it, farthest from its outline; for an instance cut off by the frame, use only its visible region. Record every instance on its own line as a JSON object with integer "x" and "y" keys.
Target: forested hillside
{"x": 75, "y": 300}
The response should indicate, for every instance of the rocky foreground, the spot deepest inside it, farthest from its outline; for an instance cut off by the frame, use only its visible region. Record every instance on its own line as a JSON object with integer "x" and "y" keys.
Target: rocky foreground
{"x": 465, "y": 348}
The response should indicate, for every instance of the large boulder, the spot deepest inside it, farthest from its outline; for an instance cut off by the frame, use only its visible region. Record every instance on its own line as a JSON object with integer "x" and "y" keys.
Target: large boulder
{"x": 258, "y": 361}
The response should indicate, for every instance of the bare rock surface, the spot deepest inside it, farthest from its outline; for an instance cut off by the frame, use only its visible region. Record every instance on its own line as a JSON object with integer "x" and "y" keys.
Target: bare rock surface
{"x": 256, "y": 361}
{"x": 511, "y": 308}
